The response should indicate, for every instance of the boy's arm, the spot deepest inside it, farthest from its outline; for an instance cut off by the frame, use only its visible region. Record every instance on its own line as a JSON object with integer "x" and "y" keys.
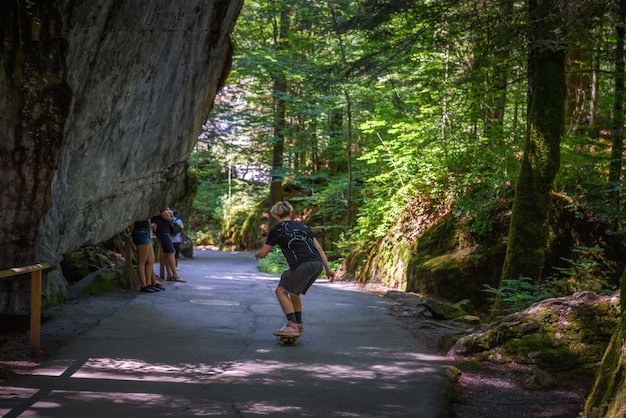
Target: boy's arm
{"x": 329, "y": 272}
{"x": 263, "y": 252}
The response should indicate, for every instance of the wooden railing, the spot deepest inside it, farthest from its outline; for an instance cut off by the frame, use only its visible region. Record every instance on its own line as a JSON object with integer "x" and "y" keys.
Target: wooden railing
{"x": 35, "y": 300}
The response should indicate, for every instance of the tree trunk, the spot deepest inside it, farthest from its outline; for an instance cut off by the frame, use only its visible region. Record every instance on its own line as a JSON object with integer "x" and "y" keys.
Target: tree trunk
{"x": 351, "y": 206}
{"x": 595, "y": 71}
{"x": 607, "y": 397}
{"x": 529, "y": 229}
{"x": 617, "y": 125}
{"x": 497, "y": 98}
{"x": 578, "y": 86}
{"x": 280, "y": 121}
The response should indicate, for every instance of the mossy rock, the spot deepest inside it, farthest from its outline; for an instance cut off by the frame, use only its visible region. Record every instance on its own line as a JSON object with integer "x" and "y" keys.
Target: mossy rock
{"x": 542, "y": 349}
{"x": 469, "y": 319}
{"x": 104, "y": 281}
{"x": 441, "y": 310}
{"x": 538, "y": 379}
{"x": 448, "y": 263}
{"x": 87, "y": 260}
{"x": 452, "y": 393}
{"x": 556, "y": 334}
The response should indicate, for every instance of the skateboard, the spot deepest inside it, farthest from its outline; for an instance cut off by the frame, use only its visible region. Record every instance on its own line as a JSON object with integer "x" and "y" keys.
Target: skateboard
{"x": 282, "y": 340}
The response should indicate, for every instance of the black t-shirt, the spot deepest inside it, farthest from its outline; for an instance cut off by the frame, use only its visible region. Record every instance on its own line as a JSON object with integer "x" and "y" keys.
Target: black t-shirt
{"x": 296, "y": 242}
{"x": 163, "y": 225}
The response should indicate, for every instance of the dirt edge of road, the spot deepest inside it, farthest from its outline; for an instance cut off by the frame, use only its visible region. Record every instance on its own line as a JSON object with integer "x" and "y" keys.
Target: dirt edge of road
{"x": 482, "y": 389}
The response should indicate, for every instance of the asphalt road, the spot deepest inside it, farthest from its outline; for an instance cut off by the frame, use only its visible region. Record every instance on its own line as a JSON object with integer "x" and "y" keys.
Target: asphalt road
{"x": 205, "y": 348}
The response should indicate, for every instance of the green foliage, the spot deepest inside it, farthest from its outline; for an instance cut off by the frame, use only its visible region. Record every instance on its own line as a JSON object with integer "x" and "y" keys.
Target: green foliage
{"x": 224, "y": 209}
{"x": 221, "y": 202}
{"x": 274, "y": 263}
{"x": 583, "y": 161}
{"x": 479, "y": 201}
{"x": 515, "y": 295}
{"x": 389, "y": 108}
{"x": 585, "y": 272}
{"x": 236, "y": 214}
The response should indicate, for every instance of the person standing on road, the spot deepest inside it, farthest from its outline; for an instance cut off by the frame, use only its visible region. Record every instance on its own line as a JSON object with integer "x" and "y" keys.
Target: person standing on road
{"x": 306, "y": 259}
{"x": 141, "y": 232}
{"x": 161, "y": 223}
{"x": 177, "y": 238}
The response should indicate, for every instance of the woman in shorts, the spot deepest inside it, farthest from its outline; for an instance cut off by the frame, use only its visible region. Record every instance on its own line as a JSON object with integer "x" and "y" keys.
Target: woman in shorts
{"x": 142, "y": 238}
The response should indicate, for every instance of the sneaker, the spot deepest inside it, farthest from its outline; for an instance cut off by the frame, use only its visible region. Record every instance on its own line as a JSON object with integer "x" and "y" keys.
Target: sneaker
{"x": 287, "y": 331}
{"x": 158, "y": 286}
{"x": 301, "y": 328}
{"x": 147, "y": 289}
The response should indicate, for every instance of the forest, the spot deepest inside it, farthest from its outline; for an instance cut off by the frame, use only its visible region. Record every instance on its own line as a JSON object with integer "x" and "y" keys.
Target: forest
{"x": 453, "y": 148}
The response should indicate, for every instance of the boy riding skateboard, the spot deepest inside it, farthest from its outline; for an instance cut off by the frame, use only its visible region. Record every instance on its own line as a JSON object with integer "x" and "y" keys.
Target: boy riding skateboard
{"x": 306, "y": 259}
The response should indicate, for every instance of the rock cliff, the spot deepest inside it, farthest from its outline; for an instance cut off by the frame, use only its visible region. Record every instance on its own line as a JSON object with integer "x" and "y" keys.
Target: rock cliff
{"x": 101, "y": 102}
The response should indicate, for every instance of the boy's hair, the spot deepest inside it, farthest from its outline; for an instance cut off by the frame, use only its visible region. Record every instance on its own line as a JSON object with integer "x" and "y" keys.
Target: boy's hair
{"x": 282, "y": 209}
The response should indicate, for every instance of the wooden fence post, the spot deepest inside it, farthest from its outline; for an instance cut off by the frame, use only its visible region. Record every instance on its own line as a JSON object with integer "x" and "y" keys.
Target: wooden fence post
{"x": 35, "y": 312}
{"x": 35, "y": 299}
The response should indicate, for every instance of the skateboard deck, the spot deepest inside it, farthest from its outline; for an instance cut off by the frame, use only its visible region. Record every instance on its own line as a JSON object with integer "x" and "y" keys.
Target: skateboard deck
{"x": 282, "y": 340}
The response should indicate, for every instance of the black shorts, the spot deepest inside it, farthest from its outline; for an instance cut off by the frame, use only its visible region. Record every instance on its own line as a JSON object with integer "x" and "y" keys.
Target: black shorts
{"x": 166, "y": 242}
{"x": 298, "y": 281}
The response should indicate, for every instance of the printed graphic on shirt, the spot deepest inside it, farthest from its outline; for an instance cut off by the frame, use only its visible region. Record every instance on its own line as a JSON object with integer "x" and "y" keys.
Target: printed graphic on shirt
{"x": 296, "y": 242}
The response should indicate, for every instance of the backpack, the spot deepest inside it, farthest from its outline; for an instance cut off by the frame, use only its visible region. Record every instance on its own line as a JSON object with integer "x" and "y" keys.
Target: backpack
{"x": 175, "y": 227}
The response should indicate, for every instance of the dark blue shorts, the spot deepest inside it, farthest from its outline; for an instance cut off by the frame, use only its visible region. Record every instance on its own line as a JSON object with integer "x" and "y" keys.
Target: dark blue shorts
{"x": 142, "y": 237}
{"x": 166, "y": 242}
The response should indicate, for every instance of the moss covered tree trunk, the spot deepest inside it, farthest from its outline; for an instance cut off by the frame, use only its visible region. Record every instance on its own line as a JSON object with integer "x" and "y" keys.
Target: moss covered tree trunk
{"x": 607, "y": 398}
{"x": 529, "y": 230}
{"x": 617, "y": 124}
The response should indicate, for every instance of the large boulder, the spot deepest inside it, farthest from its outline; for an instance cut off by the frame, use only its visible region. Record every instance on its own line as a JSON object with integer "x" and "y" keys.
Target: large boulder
{"x": 101, "y": 103}
{"x": 555, "y": 334}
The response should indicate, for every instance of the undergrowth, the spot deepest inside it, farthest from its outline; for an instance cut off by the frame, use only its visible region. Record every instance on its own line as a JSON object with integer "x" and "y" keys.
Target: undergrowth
{"x": 584, "y": 274}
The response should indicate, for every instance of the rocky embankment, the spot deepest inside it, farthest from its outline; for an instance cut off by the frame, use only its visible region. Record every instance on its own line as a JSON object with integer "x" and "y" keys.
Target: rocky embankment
{"x": 537, "y": 362}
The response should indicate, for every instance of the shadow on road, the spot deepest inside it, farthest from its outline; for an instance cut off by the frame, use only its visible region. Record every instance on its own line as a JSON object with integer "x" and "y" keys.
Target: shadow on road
{"x": 205, "y": 348}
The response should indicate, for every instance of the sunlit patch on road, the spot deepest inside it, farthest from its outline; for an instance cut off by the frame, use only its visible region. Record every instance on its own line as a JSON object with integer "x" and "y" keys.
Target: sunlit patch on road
{"x": 215, "y": 302}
